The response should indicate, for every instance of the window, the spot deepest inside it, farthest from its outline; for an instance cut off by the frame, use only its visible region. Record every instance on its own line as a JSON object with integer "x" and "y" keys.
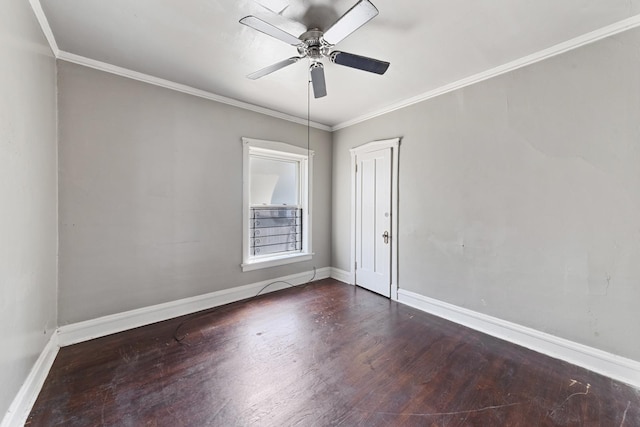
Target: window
{"x": 276, "y": 207}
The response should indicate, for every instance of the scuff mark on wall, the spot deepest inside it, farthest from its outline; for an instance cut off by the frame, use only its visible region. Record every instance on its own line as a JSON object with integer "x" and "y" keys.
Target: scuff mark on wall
{"x": 600, "y": 268}
{"x": 593, "y": 323}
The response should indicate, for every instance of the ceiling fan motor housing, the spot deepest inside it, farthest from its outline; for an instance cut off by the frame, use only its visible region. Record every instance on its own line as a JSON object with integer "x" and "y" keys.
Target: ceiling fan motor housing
{"x": 313, "y": 46}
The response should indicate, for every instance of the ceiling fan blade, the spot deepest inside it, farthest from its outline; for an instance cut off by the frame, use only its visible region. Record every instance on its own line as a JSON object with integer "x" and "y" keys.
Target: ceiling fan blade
{"x": 266, "y": 28}
{"x": 359, "y": 62}
{"x": 317, "y": 79}
{"x": 354, "y": 18}
{"x": 276, "y": 6}
{"x": 281, "y": 22}
{"x": 274, "y": 67}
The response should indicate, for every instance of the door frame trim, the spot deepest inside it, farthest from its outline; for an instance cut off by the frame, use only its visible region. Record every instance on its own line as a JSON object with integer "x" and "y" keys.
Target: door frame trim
{"x": 394, "y": 144}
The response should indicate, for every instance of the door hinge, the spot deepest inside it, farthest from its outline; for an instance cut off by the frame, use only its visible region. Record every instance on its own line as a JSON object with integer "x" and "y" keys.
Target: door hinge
{"x": 355, "y": 265}
{"x": 356, "y": 168}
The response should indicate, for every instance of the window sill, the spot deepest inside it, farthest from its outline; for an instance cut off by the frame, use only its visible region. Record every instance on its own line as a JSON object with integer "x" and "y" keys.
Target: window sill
{"x": 275, "y": 261}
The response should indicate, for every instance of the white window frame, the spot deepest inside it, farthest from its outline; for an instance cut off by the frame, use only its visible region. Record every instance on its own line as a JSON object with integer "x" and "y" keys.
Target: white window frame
{"x": 278, "y": 150}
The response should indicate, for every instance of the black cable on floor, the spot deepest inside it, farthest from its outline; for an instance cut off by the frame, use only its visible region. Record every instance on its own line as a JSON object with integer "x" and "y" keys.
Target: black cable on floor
{"x": 212, "y": 310}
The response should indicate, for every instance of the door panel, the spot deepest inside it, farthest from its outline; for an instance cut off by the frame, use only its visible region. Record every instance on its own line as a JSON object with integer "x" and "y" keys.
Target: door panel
{"x": 373, "y": 219}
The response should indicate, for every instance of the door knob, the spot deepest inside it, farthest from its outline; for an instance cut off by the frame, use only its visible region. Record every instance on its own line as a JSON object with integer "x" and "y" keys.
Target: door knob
{"x": 385, "y": 236}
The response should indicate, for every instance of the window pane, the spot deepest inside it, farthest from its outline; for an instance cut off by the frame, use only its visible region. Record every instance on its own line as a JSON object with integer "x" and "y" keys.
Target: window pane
{"x": 273, "y": 182}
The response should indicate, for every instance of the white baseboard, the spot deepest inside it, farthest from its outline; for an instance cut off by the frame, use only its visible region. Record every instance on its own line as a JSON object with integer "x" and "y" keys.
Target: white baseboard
{"x": 28, "y": 393}
{"x": 107, "y": 325}
{"x": 95, "y": 328}
{"x": 341, "y": 275}
{"x": 610, "y": 365}
{"x": 616, "y": 367}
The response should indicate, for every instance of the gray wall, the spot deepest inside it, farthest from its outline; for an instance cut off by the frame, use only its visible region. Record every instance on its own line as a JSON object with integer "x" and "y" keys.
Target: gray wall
{"x": 519, "y": 196}
{"x": 28, "y": 195}
{"x": 151, "y": 194}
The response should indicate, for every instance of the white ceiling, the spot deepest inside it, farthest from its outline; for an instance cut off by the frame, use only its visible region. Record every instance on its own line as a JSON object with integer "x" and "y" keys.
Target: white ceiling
{"x": 430, "y": 43}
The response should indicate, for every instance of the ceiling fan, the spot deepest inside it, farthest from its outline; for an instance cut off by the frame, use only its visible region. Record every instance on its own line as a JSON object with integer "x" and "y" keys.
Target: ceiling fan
{"x": 316, "y": 44}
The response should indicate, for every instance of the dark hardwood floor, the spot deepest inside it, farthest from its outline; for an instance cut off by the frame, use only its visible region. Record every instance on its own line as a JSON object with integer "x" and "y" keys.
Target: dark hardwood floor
{"x": 326, "y": 354}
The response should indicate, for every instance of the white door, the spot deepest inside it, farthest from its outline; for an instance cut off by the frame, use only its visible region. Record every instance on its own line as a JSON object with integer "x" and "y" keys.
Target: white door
{"x": 373, "y": 221}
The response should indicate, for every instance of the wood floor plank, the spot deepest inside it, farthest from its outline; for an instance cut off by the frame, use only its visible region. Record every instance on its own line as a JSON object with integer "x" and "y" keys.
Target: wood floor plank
{"x": 326, "y": 354}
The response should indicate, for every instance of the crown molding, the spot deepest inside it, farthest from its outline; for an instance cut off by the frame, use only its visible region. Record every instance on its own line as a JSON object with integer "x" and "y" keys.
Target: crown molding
{"x": 124, "y": 72}
{"x": 44, "y": 24}
{"x": 585, "y": 39}
{"x": 146, "y": 78}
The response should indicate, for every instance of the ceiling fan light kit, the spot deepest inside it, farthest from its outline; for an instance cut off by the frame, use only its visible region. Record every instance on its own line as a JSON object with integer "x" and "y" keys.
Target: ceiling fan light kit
{"x": 315, "y": 45}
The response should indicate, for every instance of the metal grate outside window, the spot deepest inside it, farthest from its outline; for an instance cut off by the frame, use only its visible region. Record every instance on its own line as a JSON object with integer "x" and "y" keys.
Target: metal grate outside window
{"x": 275, "y": 229}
